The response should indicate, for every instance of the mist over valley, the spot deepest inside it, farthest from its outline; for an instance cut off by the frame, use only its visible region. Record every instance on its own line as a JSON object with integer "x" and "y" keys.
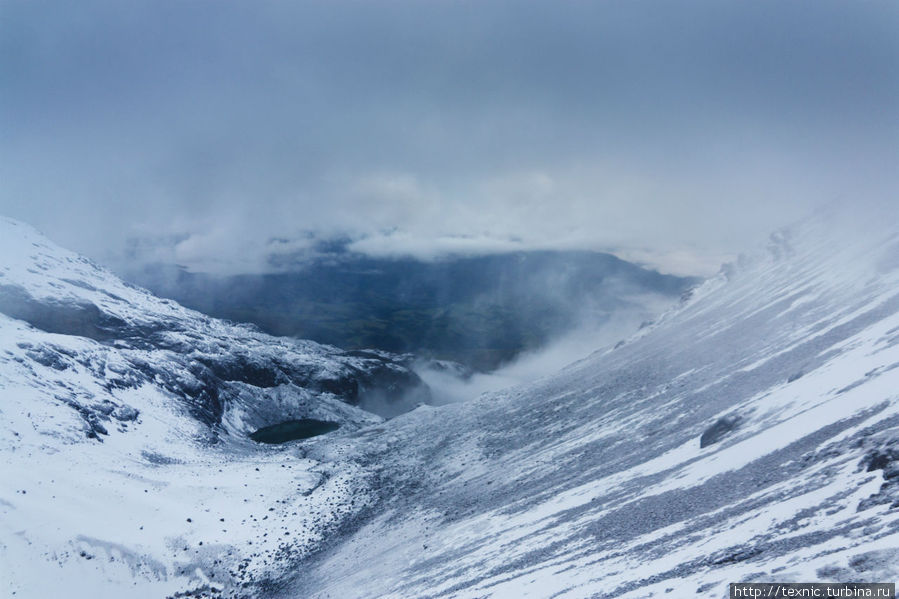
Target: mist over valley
{"x": 482, "y": 312}
{"x": 426, "y": 299}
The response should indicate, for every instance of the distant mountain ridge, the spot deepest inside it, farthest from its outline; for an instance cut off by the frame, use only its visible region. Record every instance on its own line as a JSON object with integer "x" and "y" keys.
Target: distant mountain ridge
{"x": 481, "y": 311}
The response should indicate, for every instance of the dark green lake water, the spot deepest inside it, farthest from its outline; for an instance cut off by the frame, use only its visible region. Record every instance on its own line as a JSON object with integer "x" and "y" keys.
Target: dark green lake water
{"x": 293, "y": 430}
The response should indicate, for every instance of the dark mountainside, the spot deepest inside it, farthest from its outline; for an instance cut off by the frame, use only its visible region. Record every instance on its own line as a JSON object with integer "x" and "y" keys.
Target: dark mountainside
{"x": 479, "y": 311}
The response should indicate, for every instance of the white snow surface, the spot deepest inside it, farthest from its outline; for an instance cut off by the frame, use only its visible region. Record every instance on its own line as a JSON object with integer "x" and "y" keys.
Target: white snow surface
{"x": 589, "y": 483}
{"x": 123, "y": 415}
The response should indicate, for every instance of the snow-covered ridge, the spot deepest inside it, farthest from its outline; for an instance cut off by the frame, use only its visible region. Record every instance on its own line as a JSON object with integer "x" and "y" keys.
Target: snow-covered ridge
{"x": 122, "y": 415}
{"x": 208, "y": 363}
{"x": 751, "y": 434}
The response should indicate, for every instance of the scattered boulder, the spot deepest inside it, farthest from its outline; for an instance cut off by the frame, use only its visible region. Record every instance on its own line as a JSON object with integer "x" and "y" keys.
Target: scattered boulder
{"x": 719, "y": 430}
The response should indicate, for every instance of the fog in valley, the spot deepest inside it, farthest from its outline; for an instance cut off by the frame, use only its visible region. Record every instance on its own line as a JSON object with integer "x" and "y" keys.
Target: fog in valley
{"x": 455, "y": 299}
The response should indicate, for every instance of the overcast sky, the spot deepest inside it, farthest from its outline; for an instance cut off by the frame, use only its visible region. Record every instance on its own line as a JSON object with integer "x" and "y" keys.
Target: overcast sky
{"x": 215, "y": 134}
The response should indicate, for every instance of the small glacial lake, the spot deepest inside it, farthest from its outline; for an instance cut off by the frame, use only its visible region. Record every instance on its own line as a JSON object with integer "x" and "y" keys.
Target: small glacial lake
{"x": 293, "y": 430}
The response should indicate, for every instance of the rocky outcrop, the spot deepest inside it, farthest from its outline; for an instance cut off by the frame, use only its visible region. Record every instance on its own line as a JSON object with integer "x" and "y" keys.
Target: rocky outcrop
{"x": 231, "y": 377}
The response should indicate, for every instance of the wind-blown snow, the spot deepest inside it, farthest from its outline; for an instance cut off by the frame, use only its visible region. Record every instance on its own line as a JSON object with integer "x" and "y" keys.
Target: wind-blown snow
{"x": 589, "y": 483}
{"x": 593, "y": 482}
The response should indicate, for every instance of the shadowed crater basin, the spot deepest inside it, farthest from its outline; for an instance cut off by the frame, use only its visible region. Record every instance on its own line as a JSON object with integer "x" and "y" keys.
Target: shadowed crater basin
{"x": 293, "y": 430}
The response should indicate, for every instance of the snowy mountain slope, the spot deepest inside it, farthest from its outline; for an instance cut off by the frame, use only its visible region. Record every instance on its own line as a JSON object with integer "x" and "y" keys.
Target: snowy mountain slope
{"x": 60, "y": 292}
{"x": 750, "y": 435}
{"x": 123, "y": 415}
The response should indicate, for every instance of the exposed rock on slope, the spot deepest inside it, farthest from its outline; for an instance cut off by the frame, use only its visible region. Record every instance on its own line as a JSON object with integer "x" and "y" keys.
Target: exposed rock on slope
{"x": 593, "y": 482}
{"x": 215, "y": 368}
{"x": 124, "y": 423}
{"x": 590, "y": 483}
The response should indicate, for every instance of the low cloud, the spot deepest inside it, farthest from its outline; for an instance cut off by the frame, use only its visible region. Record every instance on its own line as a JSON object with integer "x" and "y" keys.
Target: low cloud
{"x": 591, "y": 335}
{"x": 676, "y": 134}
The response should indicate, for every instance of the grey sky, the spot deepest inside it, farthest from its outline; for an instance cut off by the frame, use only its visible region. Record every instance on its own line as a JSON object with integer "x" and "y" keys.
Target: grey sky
{"x": 215, "y": 133}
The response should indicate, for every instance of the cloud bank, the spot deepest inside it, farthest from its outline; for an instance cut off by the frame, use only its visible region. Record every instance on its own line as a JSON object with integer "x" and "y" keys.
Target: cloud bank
{"x": 216, "y": 134}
